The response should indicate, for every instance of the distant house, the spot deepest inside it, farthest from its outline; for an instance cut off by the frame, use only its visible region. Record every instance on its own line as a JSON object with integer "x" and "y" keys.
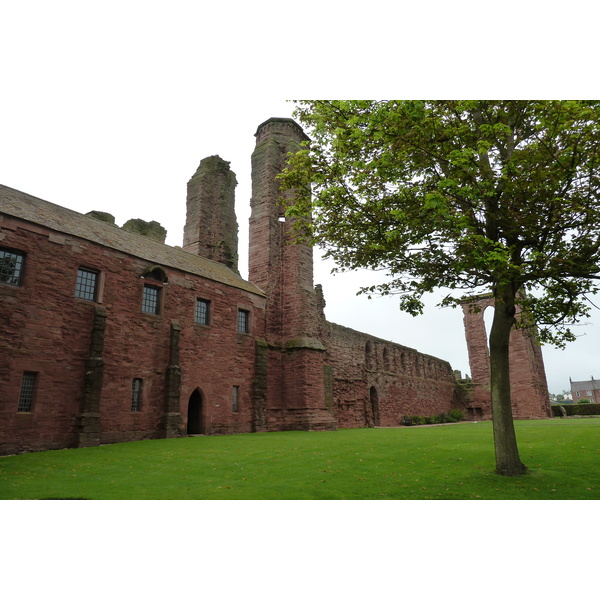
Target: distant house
{"x": 585, "y": 390}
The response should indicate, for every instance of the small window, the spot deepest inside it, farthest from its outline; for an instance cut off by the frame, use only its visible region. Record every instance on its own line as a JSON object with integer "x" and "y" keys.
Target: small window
{"x": 243, "y": 323}
{"x": 150, "y": 299}
{"x": 11, "y": 267}
{"x": 27, "y": 391}
{"x": 136, "y": 395}
{"x": 234, "y": 398}
{"x": 202, "y": 313}
{"x": 86, "y": 286}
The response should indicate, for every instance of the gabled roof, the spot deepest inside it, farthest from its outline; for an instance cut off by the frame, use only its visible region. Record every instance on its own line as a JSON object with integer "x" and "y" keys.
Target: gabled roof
{"x": 63, "y": 220}
{"x": 584, "y": 386}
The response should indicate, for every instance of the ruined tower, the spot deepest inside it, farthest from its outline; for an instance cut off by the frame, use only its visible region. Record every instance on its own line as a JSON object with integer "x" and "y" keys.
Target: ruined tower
{"x": 528, "y": 386}
{"x": 284, "y": 271}
{"x": 211, "y": 228}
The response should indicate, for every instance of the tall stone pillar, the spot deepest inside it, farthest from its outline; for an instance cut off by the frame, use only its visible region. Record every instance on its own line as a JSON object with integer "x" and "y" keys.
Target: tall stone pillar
{"x": 211, "y": 228}
{"x": 284, "y": 271}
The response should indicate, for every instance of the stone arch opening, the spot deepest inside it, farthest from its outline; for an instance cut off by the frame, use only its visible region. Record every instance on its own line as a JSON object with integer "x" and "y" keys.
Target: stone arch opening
{"x": 374, "y": 400}
{"x": 195, "y": 413}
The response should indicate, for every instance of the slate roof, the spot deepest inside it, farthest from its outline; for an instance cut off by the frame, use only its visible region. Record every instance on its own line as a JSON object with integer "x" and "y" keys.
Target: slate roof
{"x": 63, "y": 220}
{"x": 585, "y": 386}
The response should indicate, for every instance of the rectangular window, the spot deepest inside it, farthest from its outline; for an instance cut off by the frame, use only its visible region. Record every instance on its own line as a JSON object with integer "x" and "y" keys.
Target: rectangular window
{"x": 27, "y": 391}
{"x": 86, "y": 285}
{"x": 11, "y": 267}
{"x": 150, "y": 299}
{"x": 202, "y": 311}
{"x": 243, "y": 323}
{"x": 136, "y": 395}
{"x": 234, "y": 398}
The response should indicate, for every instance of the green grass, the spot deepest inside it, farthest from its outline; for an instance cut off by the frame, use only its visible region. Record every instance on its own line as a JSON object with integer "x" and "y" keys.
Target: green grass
{"x": 450, "y": 462}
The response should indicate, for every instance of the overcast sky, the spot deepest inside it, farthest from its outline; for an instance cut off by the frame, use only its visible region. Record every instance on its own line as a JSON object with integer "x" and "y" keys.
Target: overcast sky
{"x": 112, "y": 108}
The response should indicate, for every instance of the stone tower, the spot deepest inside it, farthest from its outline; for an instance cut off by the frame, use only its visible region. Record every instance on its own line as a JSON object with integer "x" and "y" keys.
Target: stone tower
{"x": 284, "y": 271}
{"x": 528, "y": 386}
{"x": 211, "y": 228}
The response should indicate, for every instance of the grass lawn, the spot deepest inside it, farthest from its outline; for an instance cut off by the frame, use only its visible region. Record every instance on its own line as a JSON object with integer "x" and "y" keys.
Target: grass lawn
{"x": 449, "y": 462}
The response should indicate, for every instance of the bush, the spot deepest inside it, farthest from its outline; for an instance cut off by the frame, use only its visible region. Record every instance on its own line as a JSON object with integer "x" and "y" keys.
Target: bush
{"x": 584, "y": 401}
{"x": 453, "y": 416}
{"x": 456, "y": 415}
{"x": 577, "y": 409}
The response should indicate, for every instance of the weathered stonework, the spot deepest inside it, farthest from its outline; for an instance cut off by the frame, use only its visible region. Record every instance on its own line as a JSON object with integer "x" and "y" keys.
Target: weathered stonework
{"x": 153, "y": 229}
{"x": 376, "y": 383}
{"x": 101, "y": 216}
{"x": 89, "y": 424}
{"x": 529, "y": 389}
{"x": 211, "y": 228}
{"x": 290, "y": 369}
{"x": 285, "y": 272}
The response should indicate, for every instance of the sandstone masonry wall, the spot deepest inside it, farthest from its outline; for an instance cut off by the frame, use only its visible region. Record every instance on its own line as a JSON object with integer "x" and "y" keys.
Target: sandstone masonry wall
{"x": 45, "y": 329}
{"x": 376, "y": 382}
{"x": 211, "y": 228}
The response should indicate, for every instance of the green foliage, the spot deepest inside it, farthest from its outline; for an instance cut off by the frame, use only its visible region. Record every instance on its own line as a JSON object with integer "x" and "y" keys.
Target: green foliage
{"x": 453, "y": 463}
{"x": 574, "y": 410}
{"x": 470, "y": 196}
{"x": 454, "y": 416}
{"x": 466, "y": 195}
{"x": 584, "y": 401}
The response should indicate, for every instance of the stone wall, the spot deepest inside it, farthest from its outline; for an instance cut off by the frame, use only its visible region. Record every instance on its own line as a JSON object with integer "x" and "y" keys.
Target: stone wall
{"x": 376, "y": 382}
{"x": 46, "y": 330}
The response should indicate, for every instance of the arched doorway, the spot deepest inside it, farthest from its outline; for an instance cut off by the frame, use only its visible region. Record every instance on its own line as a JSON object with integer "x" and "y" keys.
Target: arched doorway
{"x": 195, "y": 422}
{"x": 374, "y": 405}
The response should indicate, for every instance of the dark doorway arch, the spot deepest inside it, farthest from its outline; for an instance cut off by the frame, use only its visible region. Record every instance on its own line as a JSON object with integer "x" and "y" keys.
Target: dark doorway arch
{"x": 374, "y": 398}
{"x": 195, "y": 421}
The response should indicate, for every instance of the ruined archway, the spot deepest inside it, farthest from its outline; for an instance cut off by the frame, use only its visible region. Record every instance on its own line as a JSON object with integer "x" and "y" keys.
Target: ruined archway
{"x": 195, "y": 413}
{"x": 529, "y": 390}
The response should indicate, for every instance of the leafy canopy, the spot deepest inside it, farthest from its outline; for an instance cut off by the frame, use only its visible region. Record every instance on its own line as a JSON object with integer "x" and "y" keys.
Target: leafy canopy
{"x": 464, "y": 195}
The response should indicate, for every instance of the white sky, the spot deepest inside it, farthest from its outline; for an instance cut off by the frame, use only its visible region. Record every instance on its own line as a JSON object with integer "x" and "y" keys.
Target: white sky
{"x": 111, "y": 107}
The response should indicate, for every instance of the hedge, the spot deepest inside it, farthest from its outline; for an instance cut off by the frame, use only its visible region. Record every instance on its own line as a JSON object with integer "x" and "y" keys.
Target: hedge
{"x": 576, "y": 409}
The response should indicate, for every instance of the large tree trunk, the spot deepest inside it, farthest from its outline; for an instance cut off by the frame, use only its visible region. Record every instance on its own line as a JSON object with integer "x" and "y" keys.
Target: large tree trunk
{"x": 505, "y": 440}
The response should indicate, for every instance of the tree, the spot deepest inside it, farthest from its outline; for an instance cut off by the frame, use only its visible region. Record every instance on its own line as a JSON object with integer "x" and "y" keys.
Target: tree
{"x": 463, "y": 195}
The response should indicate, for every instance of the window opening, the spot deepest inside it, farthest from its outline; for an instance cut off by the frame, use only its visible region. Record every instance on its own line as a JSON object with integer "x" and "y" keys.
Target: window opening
{"x": 136, "y": 395}
{"x": 11, "y": 267}
{"x": 150, "y": 299}
{"x": 234, "y": 398}
{"x": 86, "y": 284}
{"x": 202, "y": 311}
{"x": 243, "y": 321}
{"x": 27, "y": 390}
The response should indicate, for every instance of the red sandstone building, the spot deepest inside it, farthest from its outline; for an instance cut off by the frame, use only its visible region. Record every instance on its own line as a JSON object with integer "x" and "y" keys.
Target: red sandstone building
{"x": 107, "y": 335}
{"x": 585, "y": 390}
